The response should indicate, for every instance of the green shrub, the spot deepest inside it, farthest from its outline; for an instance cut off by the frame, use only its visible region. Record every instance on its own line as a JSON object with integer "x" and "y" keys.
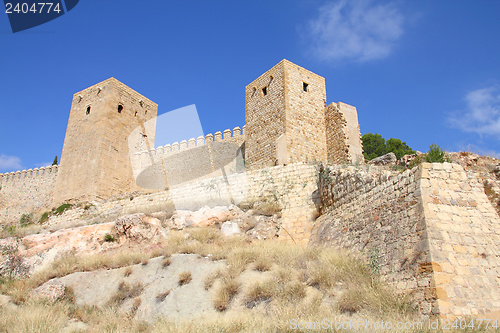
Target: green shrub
{"x": 374, "y": 145}
{"x": 44, "y": 218}
{"x": 435, "y": 154}
{"x": 109, "y": 238}
{"x": 26, "y": 219}
{"x": 61, "y": 209}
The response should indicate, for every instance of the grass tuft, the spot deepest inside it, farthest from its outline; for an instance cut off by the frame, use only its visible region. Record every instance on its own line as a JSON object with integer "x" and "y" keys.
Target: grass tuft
{"x": 185, "y": 278}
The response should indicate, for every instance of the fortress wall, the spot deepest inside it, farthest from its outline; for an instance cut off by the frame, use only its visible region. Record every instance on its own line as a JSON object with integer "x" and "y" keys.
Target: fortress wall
{"x": 343, "y": 137}
{"x": 464, "y": 237}
{"x": 291, "y": 185}
{"x": 23, "y": 192}
{"x": 305, "y": 102}
{"x": 337, "y": 149}
{"x": 265, "y": 117}
{"x": 200, "y": 158}
{"x": 378, "y": 214}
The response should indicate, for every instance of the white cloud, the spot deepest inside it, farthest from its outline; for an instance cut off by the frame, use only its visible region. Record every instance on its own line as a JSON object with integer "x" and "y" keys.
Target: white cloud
{"x": 356, "y": 30}
{"x": 10, "y": 163}
{"x": 482, "y": 113}
{"x": 44, "y": 164}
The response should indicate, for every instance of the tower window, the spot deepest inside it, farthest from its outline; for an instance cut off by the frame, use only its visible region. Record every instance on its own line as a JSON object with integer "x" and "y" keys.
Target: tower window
{"x": 135, "y": 114}
{"x": 264, "y": 91}
{"x": 88, "y": 110}
{"x": 120, "y": 108}
{"x": 305, "y": 86}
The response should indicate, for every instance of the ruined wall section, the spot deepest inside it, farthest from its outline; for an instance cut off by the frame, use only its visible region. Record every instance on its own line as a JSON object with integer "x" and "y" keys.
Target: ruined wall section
{"x": 336, "y": 135}
{"x": 464, "y": 238}
{"x": 343, "y": 136}
{"x": 95, "y": 160}
{"x": 265, "y": 117}
{"x": 305, "y": 102}
{"x": 379, "y": 215}
{"x": 27, "y": 191}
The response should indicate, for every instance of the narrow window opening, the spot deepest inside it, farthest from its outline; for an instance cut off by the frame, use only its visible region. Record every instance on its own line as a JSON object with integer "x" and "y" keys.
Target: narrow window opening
{"x": 305, "y": 86}
{"x": 146, "y": 112}
{"x": 88, "y": 110}
{"x": 120, "y": 108}
{"x": 135, "y": 114}
{"x": 264, "y": 91}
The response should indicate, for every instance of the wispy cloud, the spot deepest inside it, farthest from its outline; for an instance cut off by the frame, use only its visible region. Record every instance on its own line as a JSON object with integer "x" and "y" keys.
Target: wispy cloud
{"x": 482, "y": 113}
{"x": 358, "y": 30}
{"x": 10, "y": 163}
{"x": 44, "y": 164}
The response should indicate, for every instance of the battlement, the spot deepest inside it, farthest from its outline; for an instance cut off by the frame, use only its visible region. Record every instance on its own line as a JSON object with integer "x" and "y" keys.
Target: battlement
{"x": 184, "y": 161}
{"x": 30, "y": 173}
{"x": 236, "y": 135}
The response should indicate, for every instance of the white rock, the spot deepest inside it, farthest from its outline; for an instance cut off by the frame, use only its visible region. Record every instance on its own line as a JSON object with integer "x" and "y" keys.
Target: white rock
{"x": 230, "y": 228}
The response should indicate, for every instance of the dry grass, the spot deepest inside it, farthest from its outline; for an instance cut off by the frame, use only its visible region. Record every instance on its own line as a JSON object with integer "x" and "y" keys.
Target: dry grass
{"x": 185, "y": 278}
{"x": 126, "y": 291}
{"x": 261, "y": 291}
{"x": 166, "y": 262}
{"x": 292, "y": 282}
{"x": 128, "y": 271}
{"x": 161, "y": 296}
{"x": 226, "y": 291}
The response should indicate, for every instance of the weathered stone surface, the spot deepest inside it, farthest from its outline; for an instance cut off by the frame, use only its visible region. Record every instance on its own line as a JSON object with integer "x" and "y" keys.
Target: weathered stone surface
{"x": 230, "y": 228}
{"x": 50, "y": 291}
{"x": 205, "y": 216}
{"x": 187, "y": 301}
{"x": 138, "y": 227}
{"x": 386, "y": 159}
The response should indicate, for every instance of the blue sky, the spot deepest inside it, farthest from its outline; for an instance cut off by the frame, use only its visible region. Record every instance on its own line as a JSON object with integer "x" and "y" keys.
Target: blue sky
{"x": 422, "y": 71}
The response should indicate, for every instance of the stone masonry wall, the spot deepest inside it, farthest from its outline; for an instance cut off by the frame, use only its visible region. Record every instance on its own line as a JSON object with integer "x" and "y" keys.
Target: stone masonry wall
{"x": 264, "y": 117}
{"x": 23, "y": 192}
{"x": 464, "y": 238}
{"x": 95, "y": 160}
{"x": 305, "y": 102}
{"x": 343, "y": 137}
{"x": 336, "y": 136}
{"x": 201, "y": 158}
{"x": 292, "y": 186}
{"x": 378, "y": 214}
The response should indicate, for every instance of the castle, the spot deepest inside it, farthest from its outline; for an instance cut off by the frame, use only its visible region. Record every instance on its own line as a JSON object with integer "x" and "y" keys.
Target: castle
{"x": 287, "y": 121}
{"x": 431, "y": 230}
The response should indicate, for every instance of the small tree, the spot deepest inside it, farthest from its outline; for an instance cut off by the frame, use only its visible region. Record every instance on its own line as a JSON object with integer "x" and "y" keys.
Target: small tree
{"x": 435, "y": 154}
{"x": 373, "y": 145}
{"x": 55, "y": 161}
{"x": 399, "y": 148}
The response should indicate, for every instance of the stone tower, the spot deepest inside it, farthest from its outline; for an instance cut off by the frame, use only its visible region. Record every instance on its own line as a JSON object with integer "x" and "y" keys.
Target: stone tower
{"x": 285, "y": 117}
{"x": 95, "y": 160}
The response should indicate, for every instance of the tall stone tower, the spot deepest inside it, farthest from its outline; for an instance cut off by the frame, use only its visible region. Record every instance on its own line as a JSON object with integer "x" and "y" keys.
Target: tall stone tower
{"x": 285, "y": 117}
{"x": 95, "y": 160}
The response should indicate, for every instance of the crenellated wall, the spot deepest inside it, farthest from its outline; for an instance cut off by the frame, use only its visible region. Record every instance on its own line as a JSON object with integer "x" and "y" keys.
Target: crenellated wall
{"x": 204, "y": 157}
{"x": 26, "y": 191}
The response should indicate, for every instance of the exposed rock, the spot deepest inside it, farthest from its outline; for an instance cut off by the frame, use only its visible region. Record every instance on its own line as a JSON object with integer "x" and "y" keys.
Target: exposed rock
{"x": 230, "y": 228}
{"x": 6, "y": 302}
{"x": 407, "y": 159}
{"x": 205, "y": 216}
{"x": 497, "y": 171}
{"x": 138, "y": 227}
{"x": 389, "y": 158}
{"x": 50, "y": 291}
{"x": 189, "y": 300}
